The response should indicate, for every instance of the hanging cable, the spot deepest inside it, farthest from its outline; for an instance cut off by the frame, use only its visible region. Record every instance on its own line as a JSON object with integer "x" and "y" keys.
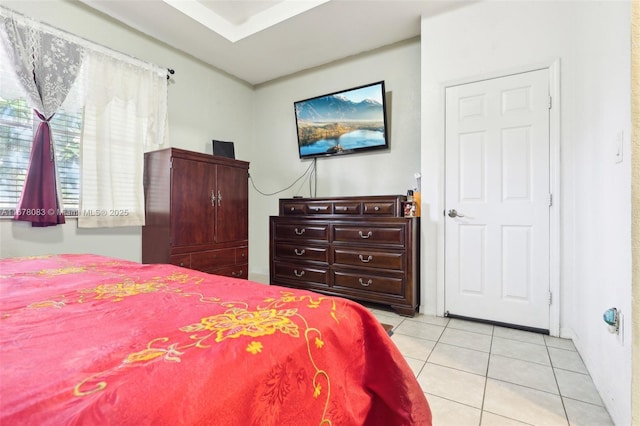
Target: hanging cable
{"x": 313, "y": 189}
{"x": 307, "y": 173}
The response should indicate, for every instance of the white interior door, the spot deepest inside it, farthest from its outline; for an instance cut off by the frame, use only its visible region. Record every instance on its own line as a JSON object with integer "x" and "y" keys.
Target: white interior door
{"x": 497, "y": 200}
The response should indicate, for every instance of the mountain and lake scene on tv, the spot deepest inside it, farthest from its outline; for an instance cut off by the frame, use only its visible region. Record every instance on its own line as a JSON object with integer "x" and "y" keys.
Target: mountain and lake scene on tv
{"x": 344, "y": 122}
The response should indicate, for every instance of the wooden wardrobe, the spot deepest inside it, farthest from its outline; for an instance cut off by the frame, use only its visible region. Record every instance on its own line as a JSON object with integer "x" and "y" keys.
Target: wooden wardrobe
{"x": 197, "y": 212}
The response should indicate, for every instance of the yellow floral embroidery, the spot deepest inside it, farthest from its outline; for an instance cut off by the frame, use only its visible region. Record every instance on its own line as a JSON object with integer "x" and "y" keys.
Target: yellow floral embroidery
{"x": 319, "y": 343}
{"x": 317, "y": 390}
{"x": 62, "y": 271}
{"x": 236, "y": 322}
{"x": 169, "y": 354}
{"x": 180, "y": 277}
{"x": 254, "y": 348}
{"x": 47, "y": 304}
{"x": 123, "y": 289}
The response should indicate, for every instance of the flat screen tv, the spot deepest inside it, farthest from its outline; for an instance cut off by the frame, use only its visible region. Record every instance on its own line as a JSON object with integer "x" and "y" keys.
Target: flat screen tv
{"x": 345, "y": 122}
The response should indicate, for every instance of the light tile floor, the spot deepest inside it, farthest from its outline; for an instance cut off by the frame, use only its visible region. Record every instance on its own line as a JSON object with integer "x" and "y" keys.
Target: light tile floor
{"x": 484, "y": 375}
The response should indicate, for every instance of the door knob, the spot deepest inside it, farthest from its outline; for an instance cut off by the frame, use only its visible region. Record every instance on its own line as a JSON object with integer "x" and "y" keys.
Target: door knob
{"x": 454, "y": 213}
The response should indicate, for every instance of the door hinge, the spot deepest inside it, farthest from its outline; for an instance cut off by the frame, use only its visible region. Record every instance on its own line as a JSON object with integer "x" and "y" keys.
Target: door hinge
{"x": 550, "y": 102}
{"x": 550, "y": 200}
{"x": 550, "y": 298}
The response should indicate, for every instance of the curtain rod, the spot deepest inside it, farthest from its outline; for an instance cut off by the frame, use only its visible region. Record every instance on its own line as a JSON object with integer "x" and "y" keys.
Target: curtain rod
{"x": 10, "y": 13}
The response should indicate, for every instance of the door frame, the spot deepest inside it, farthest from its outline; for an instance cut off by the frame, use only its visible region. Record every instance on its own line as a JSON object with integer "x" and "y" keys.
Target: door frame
{"x": 555, "y": 260}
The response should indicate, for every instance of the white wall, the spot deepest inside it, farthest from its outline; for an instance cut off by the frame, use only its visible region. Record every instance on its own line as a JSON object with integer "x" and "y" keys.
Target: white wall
{"x": 275, "y": 164}
{"x": 204, "y": 104}
{"x": 592, "y": 42}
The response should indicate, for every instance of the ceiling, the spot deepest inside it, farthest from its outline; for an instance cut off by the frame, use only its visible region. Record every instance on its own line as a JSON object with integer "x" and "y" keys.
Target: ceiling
{"x": 259, "y": 41}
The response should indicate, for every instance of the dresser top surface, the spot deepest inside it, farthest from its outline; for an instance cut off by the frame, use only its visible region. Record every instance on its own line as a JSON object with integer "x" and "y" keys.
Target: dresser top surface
{"x": 343, "y": 198}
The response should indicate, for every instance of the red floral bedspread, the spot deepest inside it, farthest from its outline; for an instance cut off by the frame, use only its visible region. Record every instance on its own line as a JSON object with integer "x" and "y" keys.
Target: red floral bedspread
{"x": 87, "y": 339}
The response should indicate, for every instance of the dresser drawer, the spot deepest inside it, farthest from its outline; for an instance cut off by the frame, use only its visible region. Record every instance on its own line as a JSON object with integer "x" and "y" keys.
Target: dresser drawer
{"x": 236, "y": 271}
{"x": 212, "y": 259}
{"x": 369, "y": 258}
{"x": 369, "y": 283}
{"x": 319, "y": 208}
{"x": 297, "y": 208}
{"x": 302, "y": 252}
{"x": 242, "y": 255}
{"x": 347, "y": 208}
{"x": 301, "y": 231}
{"x": 302, "y": 273}
{"x": 383, "y": 208}
{"x": 293, "y": 208}
{"x": 370, "y": 234}
{"x": 183, "y": 260}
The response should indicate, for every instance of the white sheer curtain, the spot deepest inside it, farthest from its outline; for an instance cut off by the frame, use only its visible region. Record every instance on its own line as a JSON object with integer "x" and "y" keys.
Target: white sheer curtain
{"x": 125, "y": 115}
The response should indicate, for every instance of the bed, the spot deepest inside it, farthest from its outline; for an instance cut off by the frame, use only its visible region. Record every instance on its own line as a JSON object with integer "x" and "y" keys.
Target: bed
{"x": 87, "y": 339}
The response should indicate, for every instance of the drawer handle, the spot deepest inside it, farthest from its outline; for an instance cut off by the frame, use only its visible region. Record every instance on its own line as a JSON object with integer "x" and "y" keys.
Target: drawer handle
{"x": 298, "y": 252}
{"x": 239, "y": 274}
{"x": 367, "y": 284}
{"x": 316, "y": 209}
{"x": 293, "y": 209}
{"x": 298, "y": 274}
{"x": 299, "y": 231}
{"x": 369, "y": 234}
{"x": 376, "y": 208}
{"x": 181, "y": 263}
{"x": 367, "y": 260}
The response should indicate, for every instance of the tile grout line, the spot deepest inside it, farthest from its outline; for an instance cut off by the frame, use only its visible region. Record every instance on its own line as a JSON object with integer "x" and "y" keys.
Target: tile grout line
{"x": 555, "y": 378}
{"x": 486, "y": 376}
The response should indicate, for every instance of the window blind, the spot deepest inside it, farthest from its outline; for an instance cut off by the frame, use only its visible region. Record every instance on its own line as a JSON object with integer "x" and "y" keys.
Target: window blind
{"x": 17, "y": 126}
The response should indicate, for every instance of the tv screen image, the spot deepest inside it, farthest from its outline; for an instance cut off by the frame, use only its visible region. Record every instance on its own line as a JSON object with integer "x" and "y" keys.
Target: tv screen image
{"x": 344, "y": 122}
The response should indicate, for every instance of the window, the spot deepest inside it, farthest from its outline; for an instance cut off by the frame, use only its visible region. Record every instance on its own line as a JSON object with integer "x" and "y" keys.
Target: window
{"x": 18, "y": 123}
{"x": 109, "y": 109}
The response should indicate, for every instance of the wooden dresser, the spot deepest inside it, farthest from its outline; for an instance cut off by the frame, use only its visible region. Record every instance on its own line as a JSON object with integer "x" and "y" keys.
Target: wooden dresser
{"x": 355, "y": 247}
{"x": 197, "y": 212}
